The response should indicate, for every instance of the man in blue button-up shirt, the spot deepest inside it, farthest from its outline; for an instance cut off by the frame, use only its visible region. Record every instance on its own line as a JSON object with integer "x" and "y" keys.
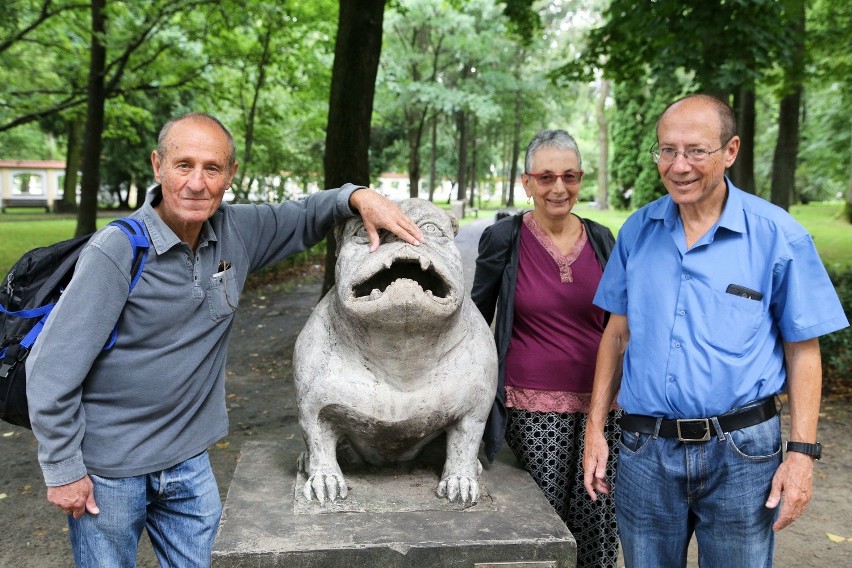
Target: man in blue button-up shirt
{"x": 717, "y": 300}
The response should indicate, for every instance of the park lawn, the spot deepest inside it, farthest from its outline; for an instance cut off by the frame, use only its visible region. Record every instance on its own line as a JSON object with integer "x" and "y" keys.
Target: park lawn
{"x": 832, "y": 234}
{"x": 824, "y": 221}
{"x": 830, "y": 230}
{"x": 18, "y": 235}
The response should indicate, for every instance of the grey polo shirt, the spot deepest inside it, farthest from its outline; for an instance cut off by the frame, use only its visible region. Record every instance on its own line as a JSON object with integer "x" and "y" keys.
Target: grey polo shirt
{"x": 158, "y": 396}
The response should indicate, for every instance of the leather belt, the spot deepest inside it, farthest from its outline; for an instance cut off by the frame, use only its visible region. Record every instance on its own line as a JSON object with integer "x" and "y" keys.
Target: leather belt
{"x": 701, "y": 429}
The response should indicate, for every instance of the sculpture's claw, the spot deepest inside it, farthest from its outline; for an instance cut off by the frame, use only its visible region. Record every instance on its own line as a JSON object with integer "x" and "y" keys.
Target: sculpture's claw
{"x": 459, "y": 488}
{"x": 324, "y": 486}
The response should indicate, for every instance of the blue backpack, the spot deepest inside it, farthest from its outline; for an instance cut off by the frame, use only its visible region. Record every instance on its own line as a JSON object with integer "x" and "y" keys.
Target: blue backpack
{"x": 27, "y": 296}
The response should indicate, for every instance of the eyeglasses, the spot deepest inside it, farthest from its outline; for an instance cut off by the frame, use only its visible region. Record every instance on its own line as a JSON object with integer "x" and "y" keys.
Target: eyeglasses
{"x": 692, "y": 155}
{"x": 571, "y": 177}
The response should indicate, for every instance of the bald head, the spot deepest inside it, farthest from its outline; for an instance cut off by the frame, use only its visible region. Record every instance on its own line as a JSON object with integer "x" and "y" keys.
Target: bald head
{"x": 727, "y": 120}
{"x": 162, "y": 140}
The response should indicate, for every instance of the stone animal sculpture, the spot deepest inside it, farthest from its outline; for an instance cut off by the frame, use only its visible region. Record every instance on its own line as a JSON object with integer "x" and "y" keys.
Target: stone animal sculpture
{"x": 392, "y": 357}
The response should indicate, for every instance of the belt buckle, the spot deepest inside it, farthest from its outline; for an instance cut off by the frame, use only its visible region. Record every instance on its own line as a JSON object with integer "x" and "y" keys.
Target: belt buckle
{"x": 705, "y": 421}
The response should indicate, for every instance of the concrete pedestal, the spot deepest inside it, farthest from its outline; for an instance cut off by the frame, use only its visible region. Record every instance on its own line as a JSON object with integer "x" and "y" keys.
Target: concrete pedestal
{"x": 391, "y": 518}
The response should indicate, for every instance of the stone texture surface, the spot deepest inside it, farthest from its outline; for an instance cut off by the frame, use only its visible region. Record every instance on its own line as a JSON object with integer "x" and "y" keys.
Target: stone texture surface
{"x": 265, "y": 526}
{"x": 394, "y": 356}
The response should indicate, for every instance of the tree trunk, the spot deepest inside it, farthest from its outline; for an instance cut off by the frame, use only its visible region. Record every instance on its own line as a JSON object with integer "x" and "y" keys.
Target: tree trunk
{"x": 353, "y": 83}
{"x": 786, "y": 149}
{"x": 415, "y": 136}
{"x": 72, "y": 166}
{"x": 93, "y": 136}
{"x": 433, "y": 158}
{"x": 603, "y": 147}
{"x": 787, "y": 145}
{"x": 474, "y": 177}
{"x": 742, "y": 172}
{"x": 461, "y": 127}
{"x": 516, "y": 150}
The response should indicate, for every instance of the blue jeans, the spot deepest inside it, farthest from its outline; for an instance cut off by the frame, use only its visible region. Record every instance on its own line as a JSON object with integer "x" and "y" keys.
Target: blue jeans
{"x": 179, "y": 506}
{"x": 666, "y": 489}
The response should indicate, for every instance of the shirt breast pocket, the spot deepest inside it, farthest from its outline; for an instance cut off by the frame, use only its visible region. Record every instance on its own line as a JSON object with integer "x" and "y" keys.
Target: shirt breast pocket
{"x": 222, "y": 294}
{"x": 732, "y": 322}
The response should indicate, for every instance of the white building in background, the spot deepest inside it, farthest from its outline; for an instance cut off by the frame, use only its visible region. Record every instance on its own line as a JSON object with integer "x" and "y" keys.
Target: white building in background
{"x": 30, "y": 183}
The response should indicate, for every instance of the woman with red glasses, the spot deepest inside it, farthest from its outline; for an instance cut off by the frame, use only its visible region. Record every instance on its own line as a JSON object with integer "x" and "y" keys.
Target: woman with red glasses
{"x": 539, "y": 271}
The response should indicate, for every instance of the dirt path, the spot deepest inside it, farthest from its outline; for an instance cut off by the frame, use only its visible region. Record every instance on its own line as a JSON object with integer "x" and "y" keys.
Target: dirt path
{"x": 262, "y": 405}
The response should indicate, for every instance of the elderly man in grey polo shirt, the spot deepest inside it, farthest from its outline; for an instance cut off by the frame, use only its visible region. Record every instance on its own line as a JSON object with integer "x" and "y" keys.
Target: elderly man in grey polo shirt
{"x": 123, "y": 433}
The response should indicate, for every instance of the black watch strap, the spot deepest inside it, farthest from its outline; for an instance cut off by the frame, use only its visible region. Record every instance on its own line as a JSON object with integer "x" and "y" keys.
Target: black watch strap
{"x": 813, "y": 450}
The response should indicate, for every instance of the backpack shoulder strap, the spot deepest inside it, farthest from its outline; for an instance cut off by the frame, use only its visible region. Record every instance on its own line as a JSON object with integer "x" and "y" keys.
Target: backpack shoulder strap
{"x": 138, "y": 236}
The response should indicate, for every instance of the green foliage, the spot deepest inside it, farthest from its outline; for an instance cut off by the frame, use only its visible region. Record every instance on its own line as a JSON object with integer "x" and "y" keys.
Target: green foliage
{"x": 836, "y": 348}
{"x": 23, "y": 229}
{"x": 698, "y": 37}
{"x": 29, "y": 142}
{"x": 639, "y": 104}
{"x": 270, "y": 86}
{"x": 263, "y": 67}
{"x": 629, "y": 125}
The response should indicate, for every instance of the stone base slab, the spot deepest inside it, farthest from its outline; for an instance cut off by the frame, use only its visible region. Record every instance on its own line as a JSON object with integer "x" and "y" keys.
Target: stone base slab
{"x": 390, "y": 519}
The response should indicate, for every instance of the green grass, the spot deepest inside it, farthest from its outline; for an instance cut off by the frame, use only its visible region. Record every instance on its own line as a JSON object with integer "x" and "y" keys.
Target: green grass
{"x": 23, "y": 229}
{"x": 824, "y": 221}
{"x": 831, "y": 232}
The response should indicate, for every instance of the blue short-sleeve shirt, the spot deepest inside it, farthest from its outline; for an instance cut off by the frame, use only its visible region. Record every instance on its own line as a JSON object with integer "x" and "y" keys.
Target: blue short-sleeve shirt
{"x": 707, "y": 325}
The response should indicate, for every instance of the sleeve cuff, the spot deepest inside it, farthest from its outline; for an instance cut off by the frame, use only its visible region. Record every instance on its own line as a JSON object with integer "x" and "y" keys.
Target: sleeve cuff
{"x": 63, "y": 473}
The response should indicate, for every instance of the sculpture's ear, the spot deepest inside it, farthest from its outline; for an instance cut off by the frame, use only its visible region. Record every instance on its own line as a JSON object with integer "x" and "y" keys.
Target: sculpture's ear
{"x": 339, "y": 231}
{"x": 455, "y": 223}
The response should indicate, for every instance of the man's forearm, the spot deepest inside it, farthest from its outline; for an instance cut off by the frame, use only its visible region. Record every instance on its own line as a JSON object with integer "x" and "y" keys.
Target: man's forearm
{"x": 608, "y": 369}
{"x": 804, "y": 388}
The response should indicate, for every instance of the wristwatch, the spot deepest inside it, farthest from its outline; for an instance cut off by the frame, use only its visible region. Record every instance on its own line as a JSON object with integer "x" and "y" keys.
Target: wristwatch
{"x": 813, "y": 450}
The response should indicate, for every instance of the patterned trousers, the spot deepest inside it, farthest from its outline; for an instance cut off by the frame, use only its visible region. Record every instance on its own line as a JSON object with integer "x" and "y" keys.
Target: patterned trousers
{"x": 550, "y": 447}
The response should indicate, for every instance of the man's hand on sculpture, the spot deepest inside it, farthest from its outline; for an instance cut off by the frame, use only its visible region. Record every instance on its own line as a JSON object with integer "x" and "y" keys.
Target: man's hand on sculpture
{"x": 379, "y": 212}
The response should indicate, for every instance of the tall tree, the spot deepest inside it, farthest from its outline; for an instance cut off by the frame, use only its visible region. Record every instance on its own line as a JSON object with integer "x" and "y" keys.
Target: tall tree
{"x": 73, "y": 163}
{"x": 787, "y": 145}
{"x": 92, "y": 141}
{"x": 353, "y": 81}
{"x": 742, "y": 172}
{"x": 603, "y": 145}
{"x": 690, "y": 42}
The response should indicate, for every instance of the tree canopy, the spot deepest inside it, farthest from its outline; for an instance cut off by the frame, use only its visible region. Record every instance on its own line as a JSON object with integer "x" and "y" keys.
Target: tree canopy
{"x": 461, "y": 87}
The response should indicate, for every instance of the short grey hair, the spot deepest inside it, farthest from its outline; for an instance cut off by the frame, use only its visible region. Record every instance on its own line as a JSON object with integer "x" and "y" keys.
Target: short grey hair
{"x": 559, "y": 139}
{"x": 164, "y": 132}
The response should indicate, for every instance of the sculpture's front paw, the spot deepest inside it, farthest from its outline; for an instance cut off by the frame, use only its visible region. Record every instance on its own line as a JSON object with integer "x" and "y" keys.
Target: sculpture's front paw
{"x": 459, "y": 489}
{"x": 325, "y": 484}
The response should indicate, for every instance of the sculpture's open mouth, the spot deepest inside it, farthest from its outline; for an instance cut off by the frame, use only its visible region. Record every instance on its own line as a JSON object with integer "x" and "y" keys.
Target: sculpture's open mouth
{"x": 420, "y": 271}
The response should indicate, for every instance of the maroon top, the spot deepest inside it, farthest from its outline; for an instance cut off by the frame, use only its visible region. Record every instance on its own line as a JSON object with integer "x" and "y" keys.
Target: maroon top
{"x": 556, "y": 328}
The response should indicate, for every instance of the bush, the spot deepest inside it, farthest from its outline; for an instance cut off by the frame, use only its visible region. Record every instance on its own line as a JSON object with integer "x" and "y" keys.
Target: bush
{"x": 836, "y": 347}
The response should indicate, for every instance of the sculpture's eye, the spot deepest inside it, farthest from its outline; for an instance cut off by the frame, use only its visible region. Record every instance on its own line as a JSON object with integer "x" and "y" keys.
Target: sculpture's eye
{"x": 431, "y": 229}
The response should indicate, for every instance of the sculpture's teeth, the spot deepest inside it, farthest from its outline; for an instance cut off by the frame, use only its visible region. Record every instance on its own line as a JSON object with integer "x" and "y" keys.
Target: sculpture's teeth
{"x": 425, "y": 263}
{"x": 430, "y": 294}
{"x": 375, "y": 294}
{"x": 388, "y": 262}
